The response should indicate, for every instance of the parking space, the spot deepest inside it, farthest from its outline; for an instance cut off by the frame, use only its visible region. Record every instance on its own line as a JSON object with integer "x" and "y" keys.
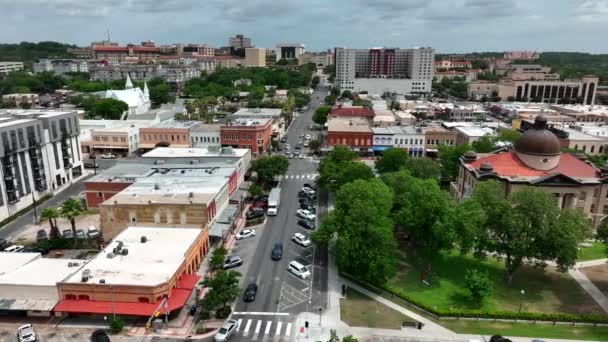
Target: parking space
{"x": 246, "y": 249}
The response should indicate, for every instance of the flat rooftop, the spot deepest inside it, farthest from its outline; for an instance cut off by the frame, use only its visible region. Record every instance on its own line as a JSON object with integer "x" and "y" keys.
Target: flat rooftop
{"x": 194, "y": 152}
{"x": 130, "y": 172}
{"x": 574, "y": 134}
{"x": 146, "y": 264}
{"x": 348, "y": 124}
{"x": 170, "y": 191}
{"x": 15, "y": 122}
{"x": 258, "y": 112}
{"x": 12, "y": 261}
{"x": 41, "y": 271}
{"x": 247, "y": 122}
{"x": 175, "y": 124}
{"x": 474, "y": 131}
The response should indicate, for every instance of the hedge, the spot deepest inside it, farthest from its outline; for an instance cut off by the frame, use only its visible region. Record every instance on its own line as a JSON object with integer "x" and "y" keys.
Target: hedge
{"x": 528, "y": 316}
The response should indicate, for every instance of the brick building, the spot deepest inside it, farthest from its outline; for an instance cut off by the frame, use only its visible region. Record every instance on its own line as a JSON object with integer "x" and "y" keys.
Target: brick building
{"x": 253, "y": 134}
{"x": 174, "y": 134}
{"x": 354, "y": 132}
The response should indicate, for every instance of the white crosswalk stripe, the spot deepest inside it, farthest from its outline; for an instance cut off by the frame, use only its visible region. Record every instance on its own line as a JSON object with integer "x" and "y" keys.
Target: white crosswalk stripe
{"x": 279, "y": 325}
{"x": 239, "y": 324}
{"x": 267, "y": 330}
{"x": 301, "y": 176}
{"x": 246, "y": 331}
{"x": 288, "y": 330}
{"x": 258, "y": 326}
{"x": 261, "y": 329}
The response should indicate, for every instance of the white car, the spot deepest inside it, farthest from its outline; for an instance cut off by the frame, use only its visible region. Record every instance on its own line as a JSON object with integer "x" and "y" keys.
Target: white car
{"x": 307, "y": 137}
{"x": 247, "y": 233}
{"x": 108, "y": 156}
{"x": 309, "y": 191}
{"x": 301, "y": 239}
{"x": 305, "y": 214}
{"x": 26, "y": 333}
{"x": 226, "y": 330}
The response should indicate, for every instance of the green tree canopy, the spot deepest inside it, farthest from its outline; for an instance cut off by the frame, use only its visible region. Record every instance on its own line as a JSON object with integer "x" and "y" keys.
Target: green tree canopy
{"x": 332, "y": 164}
{"x": 485, "y": 144}
{"x": 361, "y": 220}
{"x": 161, "y": 93}
{"x": 109, "y": 109}
{"x": 450, "y": 159}
{"x": 352, "y": 171}
{"x": 268, "y": 167}
{"x": 423, "y": 168}
{"x": 223, "y": 289}
{"x": 392, "y": 159}
{"x": 320, "y": 115}
{"x": 70, "y": 209}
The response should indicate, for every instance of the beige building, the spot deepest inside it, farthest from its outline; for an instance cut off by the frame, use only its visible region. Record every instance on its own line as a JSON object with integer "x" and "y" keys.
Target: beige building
{"x": 322, "y": 59}
{"x": 536, "y": 160}
{"x": 255, "y": 57}
{"x": 8, "y": 67}
{"x": 21, "y": 99}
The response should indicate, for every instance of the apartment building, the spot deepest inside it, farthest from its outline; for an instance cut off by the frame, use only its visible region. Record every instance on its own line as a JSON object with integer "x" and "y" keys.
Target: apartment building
{"x": 451, "y": 64}
{"x": 380, "y": 70}
{"x": 255, "y": 57}
{"x": 8, "y": 67}
{"x": 60, "y": 66}
{"x": 288, "y": 50}
{"x": 129, "y": 53}
{"x": 205, "y": 135}
{"x": 40, "y": 153}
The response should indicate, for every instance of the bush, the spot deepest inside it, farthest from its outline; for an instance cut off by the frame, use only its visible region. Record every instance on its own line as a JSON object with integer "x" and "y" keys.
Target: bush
{"x": 204, "y": 315}
{"x": 479, "y": 283}
{"x": 222, "y": 313}
{"x": 116, "y": 325}
{"x": 255, "y": 190}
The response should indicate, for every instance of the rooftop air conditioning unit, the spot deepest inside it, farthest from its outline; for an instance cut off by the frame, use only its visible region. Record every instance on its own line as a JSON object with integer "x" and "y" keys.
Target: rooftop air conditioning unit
{"x": 144, "y": 239}
{"x": 124, "y": 251}
{"x": 159, "y": 162}
{"x": 102, "y": 281}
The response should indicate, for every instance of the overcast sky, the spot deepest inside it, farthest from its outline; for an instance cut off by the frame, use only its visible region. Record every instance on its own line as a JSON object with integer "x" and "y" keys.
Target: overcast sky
{"x": 446, "y": 25}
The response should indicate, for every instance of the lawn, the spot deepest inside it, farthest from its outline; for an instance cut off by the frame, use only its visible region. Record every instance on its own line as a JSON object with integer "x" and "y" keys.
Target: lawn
{"x": 359, "y": 310}
{"x": 548, "y": 291}
{"x": 597, "y": 250}
{"x": 528, "y": 330}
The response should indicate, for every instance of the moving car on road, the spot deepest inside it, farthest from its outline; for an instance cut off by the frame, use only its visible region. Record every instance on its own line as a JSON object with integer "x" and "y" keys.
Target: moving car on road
{"x": 301, "y": 240}
{"x": 233, "y": 261}
{"x": 108, "y": 156}
{"x": 245, "y": 234}
{"x": 298, "y": 270}
{"x": 226, "y": 331}
{"x": 306, "y": 214}
{"x": 250, "y": 291}
{"x": 26, "y": 333}
{"x": 277, "y": 251}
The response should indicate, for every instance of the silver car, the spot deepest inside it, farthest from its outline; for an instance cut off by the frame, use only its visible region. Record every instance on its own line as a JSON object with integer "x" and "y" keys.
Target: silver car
{"x": 226, "y": 330}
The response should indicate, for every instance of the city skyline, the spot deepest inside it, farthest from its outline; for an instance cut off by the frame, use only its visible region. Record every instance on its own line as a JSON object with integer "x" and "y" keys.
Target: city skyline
{"x": 447, "y": 26}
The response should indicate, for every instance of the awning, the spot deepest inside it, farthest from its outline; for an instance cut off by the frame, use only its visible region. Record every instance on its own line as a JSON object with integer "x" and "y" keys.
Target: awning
{"x": 381, "y": 148}
{"x": 178, "y": 299}
{"x": 27, "y": 304}
{"x": 219, "y": 229}
{"x": 432, "y": 150}
{"x": 111, "y": 147}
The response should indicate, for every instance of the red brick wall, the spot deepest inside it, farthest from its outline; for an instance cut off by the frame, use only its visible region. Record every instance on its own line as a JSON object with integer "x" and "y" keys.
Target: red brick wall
{"x": 247, "y": 136}
{"x": 97, "y": 192}
{"x": 351, "y": 139}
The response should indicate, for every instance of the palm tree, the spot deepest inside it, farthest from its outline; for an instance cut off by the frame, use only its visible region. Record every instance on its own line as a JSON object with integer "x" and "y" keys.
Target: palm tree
{"x": 190, "y": 108}
{"x": 51, "y": 214}
{"x": 70, "y": 209}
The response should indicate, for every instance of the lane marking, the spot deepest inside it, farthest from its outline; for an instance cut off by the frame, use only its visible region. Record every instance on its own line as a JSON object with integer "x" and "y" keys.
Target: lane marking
{"x": 267, "y": 330}
{"x": 262, "y": 313}
{"x": 258, "y": 326}
{"x": 279, "y": 326}
{"x": 238, "y": 325}
{"x": 288, "y": 331}
{"x": 247, "y": 327}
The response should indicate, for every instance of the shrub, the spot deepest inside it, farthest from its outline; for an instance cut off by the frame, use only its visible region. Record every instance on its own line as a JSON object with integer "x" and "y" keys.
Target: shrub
{"x": 222, "y": 313}
{"x": 204, "y": 315}
{"x": 255, "y": 190}
{"x": 116, "y": 325}
{"x": 479, "y": 283}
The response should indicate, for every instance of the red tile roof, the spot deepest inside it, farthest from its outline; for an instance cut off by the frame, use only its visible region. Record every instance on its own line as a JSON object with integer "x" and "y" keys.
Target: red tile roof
{"x": 507, "y": 164}
{"x": 352, "y": 111}
{"x": 111, "y": 48}
{"x": 178, "y": 299}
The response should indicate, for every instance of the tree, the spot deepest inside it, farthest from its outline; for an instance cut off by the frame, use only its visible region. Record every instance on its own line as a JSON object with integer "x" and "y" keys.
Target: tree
{"x": 479, "y": 283}
{"x": 315, "y": 82}
{"x": 528, "y": 226}
{"x": 352, "y": 171}
{"x": 314, "y": 145}
{"x": 332, "y": 164}
{"x": 320, "y": 115}
{"x": 288, "y": 108}
{"x": 267, "y": 168}
{"x": 365, "y": 245}
{"x": 485, "y": 144}
{"x": 70, "y": 209}
{"x": 392, "y": 159}
{"x": 423, "y": 168}
{"x": 349, "y": 338}
{"x": 509, "y": 136}
{"x": 362, "y": 103}
{"x": 511, "y": 98}
{"x": 450, "y": 159}
{"x": 109, "y": 109}
{"x": 602, "y": 233}
{"x": 223, "y": 290}
{"x": 20, "y": 90}
{"x": 346, "y": 94}
{"x": 330, "y": 100}
{"x": 255, "y": 190}
{"x": 217, "y": 258}
{"x": 51, "y": 214}
{"x": 160, "y": 94}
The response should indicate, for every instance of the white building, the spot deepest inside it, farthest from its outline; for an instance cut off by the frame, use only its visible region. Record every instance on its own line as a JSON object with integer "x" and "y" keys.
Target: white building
{"x": 467, "y": 113}
{"x": 205, "y": 135}
{"x": 40, "y": 154}
{"x": 380, "y": 70}
{"x": 288, "y": 51}
{"x": 409, "y": 138}
{"x": 137, "y": 100}
{"x": 8, "y": 67}
{"x": 60, "y": 66}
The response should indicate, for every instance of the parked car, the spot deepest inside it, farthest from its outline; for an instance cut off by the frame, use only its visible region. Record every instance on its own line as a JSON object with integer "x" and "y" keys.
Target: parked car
{"x": 307, "y": 137}
{"x": 255, "y": 214}
{"x": 67, "y": 234}
{"x": 233, "y": 261}
{"x": 305, "y": 194}
{"x": 306, "y": 200}
{"x": 299, "y": 146}
{"x": 14, "y": 248}
{"x": 308, "y": 207}
{"x": 245, "y": 234}
{"x": 41, "y": 235}
{"x": 3, "y": 244}
{"x": 309, "y": 186}
{"x": 309, "y": 191}
{"x": 306, "y": 214}
{"x": 277, "y": 251}
{"x": 90, "y": 164}
{"x": 298, "y": 270}
{"x": 261, "y": 198}
{"x": 250, "y": 292}
{"x": 93, "y": 232}
{"x": 100, "y": 335}
{"x": 226, "y": 331}
{"x": 108, "y": 156}
{"x": 301, "y": 156}
{"x": 258, "y": 205}
{"x": 26, "y": 333}
{"x": 307, "y": 224}
{"x": 80, "y": 235}
{"x": 284, "y": 139}
{"x": 301, "y": 240}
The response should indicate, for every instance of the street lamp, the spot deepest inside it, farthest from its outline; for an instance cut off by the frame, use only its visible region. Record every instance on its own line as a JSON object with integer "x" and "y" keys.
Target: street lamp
{"x": 521, "y": 299}
{"x": 94, "y": 157}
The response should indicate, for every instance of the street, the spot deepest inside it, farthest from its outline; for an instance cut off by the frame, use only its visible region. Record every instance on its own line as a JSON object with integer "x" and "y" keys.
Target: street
{"x": 281, "y": 295}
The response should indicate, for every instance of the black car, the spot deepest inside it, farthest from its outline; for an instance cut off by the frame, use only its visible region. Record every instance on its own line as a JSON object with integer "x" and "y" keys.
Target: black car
{"x": 307, "y": 224}
{"x": 250, "y": 291}
{"x": 261, "y": 198}
{"x": 298, "y": 146}
{"x": 304, "y": 194}
{"x": 284, "y": 139}
{"x": 254, "y": 214}
{"x": 41, "y": 235}
{"x": 277, "y": 251}
{"x": 310, "y": 186}
{"x": 99, "y": 335}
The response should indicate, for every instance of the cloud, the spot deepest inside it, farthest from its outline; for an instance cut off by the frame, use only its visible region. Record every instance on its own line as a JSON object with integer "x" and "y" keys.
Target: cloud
{"x": 592, "y": 11}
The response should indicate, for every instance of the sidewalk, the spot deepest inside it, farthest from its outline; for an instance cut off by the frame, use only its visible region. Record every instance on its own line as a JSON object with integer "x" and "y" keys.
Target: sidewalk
{"x": 595, "y": 293}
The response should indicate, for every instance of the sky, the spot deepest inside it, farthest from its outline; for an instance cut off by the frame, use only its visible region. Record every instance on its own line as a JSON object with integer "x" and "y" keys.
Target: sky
{"x": 446, "y": 25}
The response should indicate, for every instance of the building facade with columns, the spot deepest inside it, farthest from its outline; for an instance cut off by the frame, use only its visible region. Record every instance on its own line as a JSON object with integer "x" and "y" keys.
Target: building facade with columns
{"x": 536, "y": 160}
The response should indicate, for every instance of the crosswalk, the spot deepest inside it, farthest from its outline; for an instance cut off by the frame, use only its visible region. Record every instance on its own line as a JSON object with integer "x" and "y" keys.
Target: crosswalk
{"x": 255, "y": 329}
{"x": 301, "y": 176}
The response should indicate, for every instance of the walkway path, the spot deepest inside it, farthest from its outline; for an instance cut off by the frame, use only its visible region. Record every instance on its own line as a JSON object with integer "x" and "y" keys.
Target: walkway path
{"x": 595, "y": 293}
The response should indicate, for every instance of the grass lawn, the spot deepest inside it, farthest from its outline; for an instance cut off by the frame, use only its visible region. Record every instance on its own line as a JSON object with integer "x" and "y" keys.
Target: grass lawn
{"x": 548, "y": 291}
{"x": 596, "y": 251}
{"x": 528, "y": 330}
{"x": 359, "y": 310}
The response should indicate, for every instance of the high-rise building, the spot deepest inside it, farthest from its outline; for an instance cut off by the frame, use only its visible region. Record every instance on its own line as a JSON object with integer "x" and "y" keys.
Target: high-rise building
{"x": 239, "y": 42}
{"x": 380, "y": 70}
{"x": 288, "y": 51}
{"x": 255, "y": 57}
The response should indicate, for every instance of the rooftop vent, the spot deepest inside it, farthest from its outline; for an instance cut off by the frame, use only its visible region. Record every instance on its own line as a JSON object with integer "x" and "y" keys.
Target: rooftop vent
{"x": 159, "y": 162}
{"x": 194, "y": 161}
{"x": 144, "y": 239}
{"x": 486, "y": 167}
{"x": 191, "y": 195}
{"x": 156, "y": 186}
{"x": 469, "y": 157}
{"x": 124, "y": 251}
{"x": 102, "y": 281}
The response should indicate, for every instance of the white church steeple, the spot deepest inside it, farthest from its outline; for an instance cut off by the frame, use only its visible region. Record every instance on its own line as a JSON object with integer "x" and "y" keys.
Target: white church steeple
{"x": 146, "y": 91}
{"x": 128, "y": 83}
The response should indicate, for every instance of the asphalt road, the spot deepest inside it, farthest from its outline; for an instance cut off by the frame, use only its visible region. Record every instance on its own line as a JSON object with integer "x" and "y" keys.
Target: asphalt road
{"x": 281, "y": 296}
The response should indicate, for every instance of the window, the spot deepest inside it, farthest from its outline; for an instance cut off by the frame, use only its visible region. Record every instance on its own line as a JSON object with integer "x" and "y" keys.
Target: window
{"x": 582, "y": 195}
{"x": 99, "y": 195}
{"x": 605, "y": 211}
{"x": 132, "y": 216}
